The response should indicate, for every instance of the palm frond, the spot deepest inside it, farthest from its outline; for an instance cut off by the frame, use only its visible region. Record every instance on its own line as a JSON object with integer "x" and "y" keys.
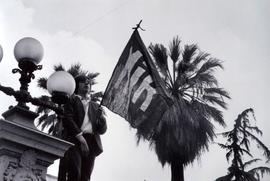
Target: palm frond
{"x": 218, "y": 91}
{"x": 174, "y": 48}
{"x": 76, "y": 69}
{"x": 215, "y": 100}
{"x": 41, "y": 119}
{"x": 42, "y": 83}
{"x": 56, "y": 129}
{"x": 188, "y": 53}
{"x": 59, "y": 67}
{"x": 182, "y": 68}
{"x": 204, "y": 79}
{"x": 41, "y": 109}
{"x": 215, "y": 114}
{"x": 209, "y": 65}
{"x": 48, "y": 121}
{"x": 201, "y": 57}
{"x": 159, "y": 52}
{"x": 51, "y": 130}
{"x": 92, "y": 77}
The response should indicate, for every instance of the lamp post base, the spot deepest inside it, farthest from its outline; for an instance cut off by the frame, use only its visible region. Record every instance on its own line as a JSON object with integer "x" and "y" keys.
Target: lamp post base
{"x": 21, "y": 116}
{"x": 26, "y": 153}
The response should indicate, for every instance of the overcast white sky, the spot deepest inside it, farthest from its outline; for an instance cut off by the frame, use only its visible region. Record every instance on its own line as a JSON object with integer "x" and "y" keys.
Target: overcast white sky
{"x": 95, "y": 32}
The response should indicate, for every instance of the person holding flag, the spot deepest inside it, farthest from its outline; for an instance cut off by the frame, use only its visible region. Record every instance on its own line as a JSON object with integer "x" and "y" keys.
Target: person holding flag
{"x": 83, "y": 126}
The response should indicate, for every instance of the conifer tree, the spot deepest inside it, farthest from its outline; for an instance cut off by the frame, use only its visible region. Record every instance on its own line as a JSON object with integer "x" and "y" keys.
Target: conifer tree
{"x": 238, "y": 144}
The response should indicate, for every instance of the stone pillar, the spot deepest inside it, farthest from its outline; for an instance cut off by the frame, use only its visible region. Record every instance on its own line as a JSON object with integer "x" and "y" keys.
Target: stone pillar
{"x": 25, "y": 152}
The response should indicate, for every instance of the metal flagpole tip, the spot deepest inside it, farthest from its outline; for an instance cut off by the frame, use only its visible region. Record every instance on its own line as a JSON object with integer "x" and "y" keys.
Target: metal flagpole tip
{"x": 138, "y": 26}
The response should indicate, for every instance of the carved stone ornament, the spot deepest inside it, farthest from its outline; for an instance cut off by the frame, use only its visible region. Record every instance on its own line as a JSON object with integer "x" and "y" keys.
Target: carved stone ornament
{"x": 25, "y": 169}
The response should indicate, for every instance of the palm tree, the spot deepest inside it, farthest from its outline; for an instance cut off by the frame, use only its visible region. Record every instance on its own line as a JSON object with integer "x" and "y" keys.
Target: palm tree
{"x": 186, "y": 128}
{"x": 238, "y": 145}
{"x": 48, "y": 118}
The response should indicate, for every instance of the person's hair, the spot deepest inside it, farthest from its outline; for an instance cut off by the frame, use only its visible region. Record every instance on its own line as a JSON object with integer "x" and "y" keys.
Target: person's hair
{"x": 78, "y": 79}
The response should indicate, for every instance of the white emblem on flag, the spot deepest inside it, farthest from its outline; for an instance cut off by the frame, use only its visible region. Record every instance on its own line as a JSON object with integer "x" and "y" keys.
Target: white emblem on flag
{"x": 133, "y": 79}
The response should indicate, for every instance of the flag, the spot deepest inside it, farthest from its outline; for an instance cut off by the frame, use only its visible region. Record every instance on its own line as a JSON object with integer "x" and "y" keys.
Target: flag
{"x": 136, "y": 91}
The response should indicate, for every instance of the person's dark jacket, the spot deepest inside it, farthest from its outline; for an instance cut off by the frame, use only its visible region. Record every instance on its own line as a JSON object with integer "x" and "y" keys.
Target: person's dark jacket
{"x": 75, "y": 113}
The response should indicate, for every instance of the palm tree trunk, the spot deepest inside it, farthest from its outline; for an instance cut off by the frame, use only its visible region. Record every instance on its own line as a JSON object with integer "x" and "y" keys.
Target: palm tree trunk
{"x": 177, "y": 171}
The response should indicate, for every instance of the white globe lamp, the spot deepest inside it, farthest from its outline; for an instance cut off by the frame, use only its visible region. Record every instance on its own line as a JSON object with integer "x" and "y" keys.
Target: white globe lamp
{"x": 61, "y": 85}
{"x": 28, "y": 52}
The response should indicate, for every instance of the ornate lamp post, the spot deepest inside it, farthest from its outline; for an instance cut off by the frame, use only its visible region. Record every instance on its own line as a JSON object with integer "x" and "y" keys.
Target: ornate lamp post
{"x": 25, "y": 152}
{"x": 28, "y": 52}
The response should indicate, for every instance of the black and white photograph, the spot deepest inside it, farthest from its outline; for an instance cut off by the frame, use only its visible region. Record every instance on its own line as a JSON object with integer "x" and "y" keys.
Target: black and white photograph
{"x": 133, "y": 90}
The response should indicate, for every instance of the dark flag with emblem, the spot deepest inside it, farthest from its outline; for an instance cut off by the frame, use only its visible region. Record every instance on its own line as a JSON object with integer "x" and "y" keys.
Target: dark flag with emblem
{"x": 135, "y": 91}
